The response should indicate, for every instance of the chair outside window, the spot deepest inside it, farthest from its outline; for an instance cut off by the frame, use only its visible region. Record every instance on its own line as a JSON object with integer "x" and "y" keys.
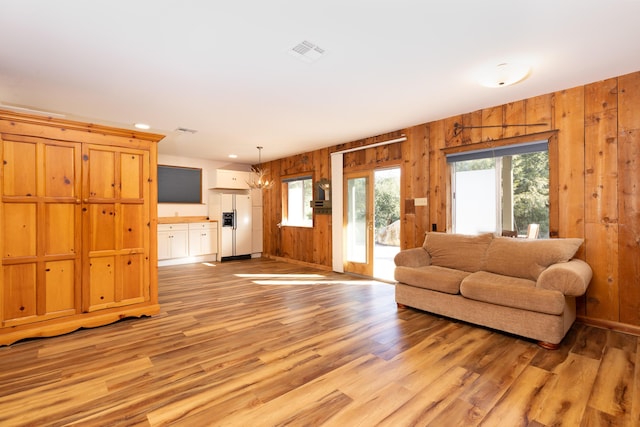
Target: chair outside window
{"x": 532, "y": 231}
{"x": 509, "y": 233}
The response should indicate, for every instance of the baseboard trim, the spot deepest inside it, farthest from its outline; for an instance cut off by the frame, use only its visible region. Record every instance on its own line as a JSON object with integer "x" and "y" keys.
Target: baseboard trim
{"x": 610, "y": 324}
{"x": 235, "y": 257}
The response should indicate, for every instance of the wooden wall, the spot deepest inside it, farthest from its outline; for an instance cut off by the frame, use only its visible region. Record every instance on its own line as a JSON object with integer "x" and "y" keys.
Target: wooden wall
{"x": 597, "y": 187}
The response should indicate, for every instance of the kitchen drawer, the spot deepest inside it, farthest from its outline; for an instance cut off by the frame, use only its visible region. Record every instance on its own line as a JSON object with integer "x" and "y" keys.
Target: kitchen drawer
{"x": 202, "y": 225}
{"x": 173, "y": 227}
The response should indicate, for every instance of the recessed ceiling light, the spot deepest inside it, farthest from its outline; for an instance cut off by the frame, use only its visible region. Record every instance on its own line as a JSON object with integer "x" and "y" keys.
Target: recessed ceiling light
{"x": 504, "y": 74}
{"x": 143, "y": 126}
{"x": 233, "y": 156}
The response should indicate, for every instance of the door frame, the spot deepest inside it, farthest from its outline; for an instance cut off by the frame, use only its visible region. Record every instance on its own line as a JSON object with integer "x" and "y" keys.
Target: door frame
{"x": 337, "y": 162}
{"x": 362, "y": 268}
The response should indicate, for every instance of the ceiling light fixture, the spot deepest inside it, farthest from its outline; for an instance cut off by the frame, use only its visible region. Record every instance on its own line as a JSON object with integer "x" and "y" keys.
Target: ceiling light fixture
{"x": 142, "y": 126}
{"x": 259, "y": 180}
{"x": 504, "y": 74}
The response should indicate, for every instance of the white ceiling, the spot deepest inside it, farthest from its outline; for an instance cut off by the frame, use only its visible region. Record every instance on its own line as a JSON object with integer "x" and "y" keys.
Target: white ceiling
{"x": 223, "y": 68}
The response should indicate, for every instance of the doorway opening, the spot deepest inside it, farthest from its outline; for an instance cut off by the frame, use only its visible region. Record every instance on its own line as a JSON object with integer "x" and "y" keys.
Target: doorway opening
{"x": 372, "y": 222}
{"x": 386, "y": 200}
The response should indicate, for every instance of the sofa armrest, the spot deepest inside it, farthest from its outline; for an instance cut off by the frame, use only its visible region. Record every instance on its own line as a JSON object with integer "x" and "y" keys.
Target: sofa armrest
{"x": 571, "y": 278}
{"x": 414, "y": 257}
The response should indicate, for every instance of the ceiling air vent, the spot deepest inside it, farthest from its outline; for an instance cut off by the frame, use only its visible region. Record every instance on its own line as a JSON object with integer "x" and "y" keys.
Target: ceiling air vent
{"x": 186, "y": 130}
{"x": 307, "y": 51}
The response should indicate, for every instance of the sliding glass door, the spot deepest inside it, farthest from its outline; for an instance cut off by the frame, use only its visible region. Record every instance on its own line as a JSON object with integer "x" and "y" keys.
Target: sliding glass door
{"x": 358, "y": 223}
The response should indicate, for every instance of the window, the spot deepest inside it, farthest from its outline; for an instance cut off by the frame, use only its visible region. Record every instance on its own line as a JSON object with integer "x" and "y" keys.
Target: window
{"x": 504, "y": 188}
{"x": 297, "y": 194}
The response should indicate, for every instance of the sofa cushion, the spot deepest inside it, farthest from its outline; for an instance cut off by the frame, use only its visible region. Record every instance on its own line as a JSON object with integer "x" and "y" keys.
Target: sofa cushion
{"x": 511, "y": 292}
{"x": 457, "y": 251}
{"x": 525, "y": 258}
{"x": 431, "y": 277}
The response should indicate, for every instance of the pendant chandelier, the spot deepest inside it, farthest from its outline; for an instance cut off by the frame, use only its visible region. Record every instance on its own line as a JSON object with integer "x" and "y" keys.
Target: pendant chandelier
{"x": 259, "y": 179}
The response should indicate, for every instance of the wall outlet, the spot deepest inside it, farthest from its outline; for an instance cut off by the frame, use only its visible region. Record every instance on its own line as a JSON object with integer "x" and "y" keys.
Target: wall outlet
{"x": 421, "y": 201}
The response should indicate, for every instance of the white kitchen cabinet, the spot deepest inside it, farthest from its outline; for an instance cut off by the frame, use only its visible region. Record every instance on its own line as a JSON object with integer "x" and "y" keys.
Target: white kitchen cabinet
{"x": 257, "y": 234}
{"x": 256, "y": 214}
{"x": 229, "y": 179}
{"x": 173, "y": 241}
{"x": 203, "y": 238}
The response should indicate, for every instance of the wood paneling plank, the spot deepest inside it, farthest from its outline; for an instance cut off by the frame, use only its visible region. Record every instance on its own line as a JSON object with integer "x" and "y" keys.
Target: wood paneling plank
{"x": 629, "y": 197}
{"x": 437, "y": 176}
{"x": 539, "y": 113}
{"x": 569, "y": 119}
{"x": 472, "y": 132}
{"x": 601, "y": 152}
{"x": 514, "y": 114}
{"x": 492, "y": 121}
{"x": 602, "y": 296}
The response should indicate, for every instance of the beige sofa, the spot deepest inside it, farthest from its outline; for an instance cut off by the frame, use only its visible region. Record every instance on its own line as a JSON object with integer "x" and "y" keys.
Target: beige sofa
{"x": 525, "y": 287}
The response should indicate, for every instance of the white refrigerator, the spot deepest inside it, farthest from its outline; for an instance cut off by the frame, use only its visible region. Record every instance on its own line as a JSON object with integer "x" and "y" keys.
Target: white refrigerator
{"x": 235, "y": 226}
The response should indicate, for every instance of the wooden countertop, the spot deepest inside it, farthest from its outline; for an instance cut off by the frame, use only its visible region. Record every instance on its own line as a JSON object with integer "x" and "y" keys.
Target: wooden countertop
{"x": 183, "y": 219}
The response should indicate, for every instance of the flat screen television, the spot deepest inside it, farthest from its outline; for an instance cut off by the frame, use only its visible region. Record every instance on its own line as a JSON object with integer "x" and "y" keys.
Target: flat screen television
{"x": 177, "y": 184}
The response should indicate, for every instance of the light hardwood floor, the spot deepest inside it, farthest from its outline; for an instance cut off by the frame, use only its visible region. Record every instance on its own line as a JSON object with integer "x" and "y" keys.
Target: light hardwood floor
{"x": 267, "y": 343}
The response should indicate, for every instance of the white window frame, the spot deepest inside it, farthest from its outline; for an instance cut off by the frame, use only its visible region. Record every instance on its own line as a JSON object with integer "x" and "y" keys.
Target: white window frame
{"x": 498, "y": 153}
{"x": 305, "y": 205}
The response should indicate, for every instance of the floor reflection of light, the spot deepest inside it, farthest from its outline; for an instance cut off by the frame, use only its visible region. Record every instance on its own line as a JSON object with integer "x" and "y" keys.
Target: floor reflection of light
{"x": 267, "y": 276}
{"x": 208, "y": 264}
{"x": 316, "y": 282}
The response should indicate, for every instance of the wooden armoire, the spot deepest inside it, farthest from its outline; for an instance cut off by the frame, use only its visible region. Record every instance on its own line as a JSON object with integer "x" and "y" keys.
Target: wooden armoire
{"x": 78, "y": 222}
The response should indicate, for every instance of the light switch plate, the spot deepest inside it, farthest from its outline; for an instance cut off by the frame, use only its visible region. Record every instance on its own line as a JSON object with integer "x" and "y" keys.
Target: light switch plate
{"x": 421, "y": 201}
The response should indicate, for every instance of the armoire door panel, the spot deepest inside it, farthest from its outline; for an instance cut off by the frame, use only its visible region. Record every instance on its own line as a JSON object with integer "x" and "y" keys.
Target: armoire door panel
{"x": 131, "y": 176}
{"x": 102, "y": 277}
{"x": 60, "y": 279}
{"x": 60, "y": 171}
{"x": 60, "y": 236}
{"x": 102, "y": 227}
{"x": 20, "y": 168}
{"x": 19, "y": 292}
{"x": 102, "y": 174}
{"x": 133, "y": 225}
{"x": 133, "y": 283}
{"x": 19, "y": 230}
